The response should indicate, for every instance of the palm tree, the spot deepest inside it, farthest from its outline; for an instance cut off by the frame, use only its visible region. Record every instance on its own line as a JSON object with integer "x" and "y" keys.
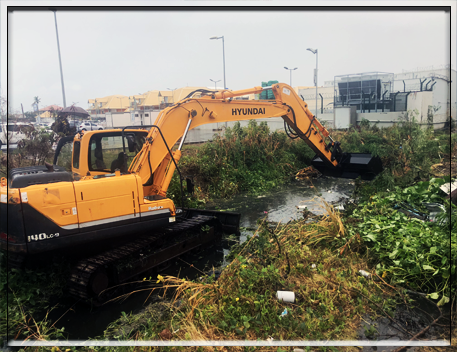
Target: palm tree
{"x": 36, "y": 101}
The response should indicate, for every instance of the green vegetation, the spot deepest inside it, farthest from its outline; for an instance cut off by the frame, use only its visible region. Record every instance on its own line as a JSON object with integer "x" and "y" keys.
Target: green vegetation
{"x": 406, "y": 251}
{"x": 26, "y": 295}
{"x": 407, "y": 150}
{"x": 33, "y": 150}
{"x": 244, "y": 159}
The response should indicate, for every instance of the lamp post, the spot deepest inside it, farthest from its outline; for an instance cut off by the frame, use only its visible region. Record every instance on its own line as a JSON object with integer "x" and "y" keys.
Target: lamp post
{"x": 290, "y": 69}
{"x": 223, "y": 55}
{"x": 215, "y": 88}
{"x": 60, "y": 60}
{"x": 172, "y": 94}
{"x": 314, "y": 51}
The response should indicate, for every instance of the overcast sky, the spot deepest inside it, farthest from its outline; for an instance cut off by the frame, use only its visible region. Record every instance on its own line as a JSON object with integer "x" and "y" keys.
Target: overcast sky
{"x": 108, "y": 52}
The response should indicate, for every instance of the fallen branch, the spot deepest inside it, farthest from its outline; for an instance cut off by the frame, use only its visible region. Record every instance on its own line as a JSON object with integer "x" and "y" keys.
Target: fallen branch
{"x": 380, "y": 308}
{"x": 420, "y": 333}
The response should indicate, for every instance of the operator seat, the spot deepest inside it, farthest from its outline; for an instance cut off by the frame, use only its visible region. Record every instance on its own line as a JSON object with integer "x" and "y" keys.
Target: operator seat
{"x": 120, "y": 163}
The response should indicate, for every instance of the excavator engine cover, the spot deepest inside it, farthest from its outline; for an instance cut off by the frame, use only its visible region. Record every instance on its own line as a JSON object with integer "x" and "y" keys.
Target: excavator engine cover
{"x": 351, "y": 165}
{"x": 32, "y": 175}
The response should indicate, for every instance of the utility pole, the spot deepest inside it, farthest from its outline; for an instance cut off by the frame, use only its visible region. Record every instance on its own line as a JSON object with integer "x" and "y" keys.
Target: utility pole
{"x": 60, "y": 60}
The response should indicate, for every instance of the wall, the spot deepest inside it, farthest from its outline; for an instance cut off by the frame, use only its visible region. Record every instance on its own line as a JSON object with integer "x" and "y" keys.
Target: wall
{"x": 117, "y": 119}
{"x": 122, "y": 119}
{"x": 344, "y": 117}
{"x": 383, "y": 119}
{"x": 309, "y": 95}
{"x": 420, "y": 101}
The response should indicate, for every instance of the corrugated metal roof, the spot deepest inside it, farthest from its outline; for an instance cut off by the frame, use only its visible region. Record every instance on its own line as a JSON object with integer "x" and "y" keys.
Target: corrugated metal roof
{"x": 51, "y": 107}
{"x": 117, "y": 102}
{"x": 181, "y": 93}
{"x": 151, "y": 98}
{"x": 141, "y": 96}
{"x": 46, "y": 114}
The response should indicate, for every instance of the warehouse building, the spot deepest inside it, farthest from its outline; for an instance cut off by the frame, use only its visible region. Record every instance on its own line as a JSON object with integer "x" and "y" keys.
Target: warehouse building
{"x": 382, "y": 98}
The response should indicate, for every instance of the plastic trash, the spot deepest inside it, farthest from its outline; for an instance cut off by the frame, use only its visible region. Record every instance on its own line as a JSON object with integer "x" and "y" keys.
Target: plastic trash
{"x": 286, "y": 296}
{"x": 410, "y": 211}
{"x": 284, "y": 313}
{"x": 365, "y": 274}
{"x": 434, "y": 209}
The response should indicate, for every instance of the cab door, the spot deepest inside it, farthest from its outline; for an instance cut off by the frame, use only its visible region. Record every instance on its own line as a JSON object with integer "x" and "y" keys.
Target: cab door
{"x": 106, "y": 201}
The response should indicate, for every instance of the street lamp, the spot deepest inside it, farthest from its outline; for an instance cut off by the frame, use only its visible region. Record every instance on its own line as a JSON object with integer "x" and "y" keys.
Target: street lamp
{"x": 215, "y": 88}
{"x": 290, "y": 69}
{"x": 60, "y": 60}
{"x": 172, "y": 94}
{"x": 314, "y": 51}
{"x": 223, "y": 55}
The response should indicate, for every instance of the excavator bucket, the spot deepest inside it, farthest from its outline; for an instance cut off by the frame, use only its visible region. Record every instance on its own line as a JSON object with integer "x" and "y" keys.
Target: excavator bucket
{"x": 351, "y": 165}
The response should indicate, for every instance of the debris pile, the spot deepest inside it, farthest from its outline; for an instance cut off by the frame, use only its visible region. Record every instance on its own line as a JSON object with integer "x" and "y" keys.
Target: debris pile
{"x": 307, "y": 173}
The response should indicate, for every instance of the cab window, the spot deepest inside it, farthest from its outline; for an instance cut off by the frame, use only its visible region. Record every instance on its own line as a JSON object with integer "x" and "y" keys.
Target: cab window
{"x": 64, "y": 157}
{"x": 106, "y": 153}
{"x": 77, "y": 150}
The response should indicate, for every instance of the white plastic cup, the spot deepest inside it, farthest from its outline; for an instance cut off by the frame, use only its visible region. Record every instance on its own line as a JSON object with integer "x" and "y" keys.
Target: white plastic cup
{"x": 364, "y": 274}
{"x": 286, "y": 296}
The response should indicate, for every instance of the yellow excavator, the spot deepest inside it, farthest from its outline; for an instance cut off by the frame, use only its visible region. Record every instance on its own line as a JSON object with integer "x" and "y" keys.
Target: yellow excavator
{"x": 106, "y": 193}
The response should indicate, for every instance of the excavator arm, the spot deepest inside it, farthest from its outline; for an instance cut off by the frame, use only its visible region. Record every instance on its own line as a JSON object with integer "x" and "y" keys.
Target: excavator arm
{"x": 154, "y": 162}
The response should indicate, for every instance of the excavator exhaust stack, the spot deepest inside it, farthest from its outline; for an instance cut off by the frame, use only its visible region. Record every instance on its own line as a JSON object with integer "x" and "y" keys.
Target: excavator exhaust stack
{"x": 351, "y": 165}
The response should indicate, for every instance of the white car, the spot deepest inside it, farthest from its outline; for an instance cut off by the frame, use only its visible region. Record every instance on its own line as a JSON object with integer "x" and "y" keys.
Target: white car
{"x": 11, "y": 133}
{"x": 89, "y": 126}
{"x": 43, "y": 127}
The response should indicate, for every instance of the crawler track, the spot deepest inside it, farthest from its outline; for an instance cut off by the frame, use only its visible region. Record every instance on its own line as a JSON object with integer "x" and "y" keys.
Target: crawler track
{"x": 91, "y": 276}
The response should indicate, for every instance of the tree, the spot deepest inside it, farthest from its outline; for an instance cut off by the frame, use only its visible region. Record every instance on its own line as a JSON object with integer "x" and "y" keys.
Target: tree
{"x": 36, "y": 101}
{"x": 35, "y": 149}
{"x": 3, "y": 105}
{"x": 61, "y": 125}
{"x": 29, "y": 116}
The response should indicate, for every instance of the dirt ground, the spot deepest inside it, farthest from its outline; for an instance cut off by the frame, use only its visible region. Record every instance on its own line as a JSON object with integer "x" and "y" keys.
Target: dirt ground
{"x": 446, "y": 168}
{"x": 448, "y": 165}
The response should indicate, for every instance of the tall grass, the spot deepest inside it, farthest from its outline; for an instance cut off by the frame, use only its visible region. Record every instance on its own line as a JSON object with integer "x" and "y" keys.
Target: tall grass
{"x": 248, "y": 158}
{"x": 406, "y": 149}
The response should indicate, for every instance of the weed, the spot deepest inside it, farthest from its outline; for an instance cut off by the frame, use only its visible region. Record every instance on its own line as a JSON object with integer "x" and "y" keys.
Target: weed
{"x": 407, "y": 251}
{"x": 248, "y": 159}
{"x": 26, "y": 294}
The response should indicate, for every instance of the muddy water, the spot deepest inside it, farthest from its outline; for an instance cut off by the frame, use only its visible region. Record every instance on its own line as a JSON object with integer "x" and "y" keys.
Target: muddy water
{"x": 407, "y": 322}
{"x": 288, "y": 201}
{"x": 82, "y": 321}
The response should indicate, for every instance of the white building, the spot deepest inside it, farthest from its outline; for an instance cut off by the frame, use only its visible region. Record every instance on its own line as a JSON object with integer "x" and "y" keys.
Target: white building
{"x": 425, "y": 90}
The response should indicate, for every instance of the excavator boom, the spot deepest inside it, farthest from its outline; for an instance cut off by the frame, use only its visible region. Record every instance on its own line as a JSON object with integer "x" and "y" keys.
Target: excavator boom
{"x": 174, "y": 122}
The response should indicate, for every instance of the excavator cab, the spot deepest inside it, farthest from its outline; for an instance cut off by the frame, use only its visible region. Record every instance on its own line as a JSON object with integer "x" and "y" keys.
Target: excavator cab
{"x": 107, "y": 151}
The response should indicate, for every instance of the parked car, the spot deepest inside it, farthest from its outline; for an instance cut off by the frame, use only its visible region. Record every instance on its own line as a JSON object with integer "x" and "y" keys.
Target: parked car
{"x": 89, "y": 126}
{"x": 43, "y": 126}
{"x": 12, "y": 132}
{"x": 74, "y": 124}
